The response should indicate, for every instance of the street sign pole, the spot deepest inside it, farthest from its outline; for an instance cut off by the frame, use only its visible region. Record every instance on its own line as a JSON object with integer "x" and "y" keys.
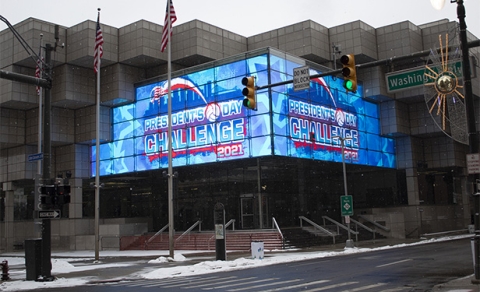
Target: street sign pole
{"x": 346, "y": 201}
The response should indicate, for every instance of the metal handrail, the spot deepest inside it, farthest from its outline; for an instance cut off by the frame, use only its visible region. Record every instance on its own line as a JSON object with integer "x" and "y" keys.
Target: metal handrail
{"x": 230, "y": 223}
{"x": 198, "y": 223}
{"x": 375, "y": 223}
{"x": 315, "y": 225}
{"x": 339, "y": 225}
{"x": 364, "y": 227}
{"x": 275, "y": 225}
{"x": 156, "y": 234}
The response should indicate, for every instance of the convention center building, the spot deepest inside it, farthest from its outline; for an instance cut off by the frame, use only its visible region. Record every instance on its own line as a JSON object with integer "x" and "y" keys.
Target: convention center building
{"x": 391, "y": 146}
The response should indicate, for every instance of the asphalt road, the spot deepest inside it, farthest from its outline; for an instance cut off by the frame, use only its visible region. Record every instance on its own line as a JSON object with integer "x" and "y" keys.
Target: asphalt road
{"x": 411, "y": 268}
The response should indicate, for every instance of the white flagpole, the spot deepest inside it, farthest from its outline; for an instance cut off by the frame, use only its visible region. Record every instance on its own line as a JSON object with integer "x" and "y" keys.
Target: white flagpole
{"x": 170, "y": 174}
{"x": 97, "y": 161}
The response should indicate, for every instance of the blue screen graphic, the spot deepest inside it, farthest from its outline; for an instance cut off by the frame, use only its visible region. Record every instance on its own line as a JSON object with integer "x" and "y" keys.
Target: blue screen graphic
{"x": 210, "y": 124}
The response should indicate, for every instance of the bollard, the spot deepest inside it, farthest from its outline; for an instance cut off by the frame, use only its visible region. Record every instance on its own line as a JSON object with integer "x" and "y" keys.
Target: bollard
{"x": 5, "y": 268}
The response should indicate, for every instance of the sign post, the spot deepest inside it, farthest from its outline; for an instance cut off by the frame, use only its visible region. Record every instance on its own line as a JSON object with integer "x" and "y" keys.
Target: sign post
{"x": 220, "y": 241}
{"x": 346, "y": 207}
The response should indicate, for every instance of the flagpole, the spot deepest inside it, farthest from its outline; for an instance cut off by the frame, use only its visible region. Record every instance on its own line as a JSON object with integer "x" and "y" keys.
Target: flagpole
{"x": 97, "y": 159}
{"x": 170, "y": 173}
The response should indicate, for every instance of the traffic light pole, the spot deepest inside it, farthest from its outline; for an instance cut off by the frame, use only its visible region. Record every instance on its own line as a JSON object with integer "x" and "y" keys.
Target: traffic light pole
{"x": 46, "y": 266}
{"x": 472, "y": 131}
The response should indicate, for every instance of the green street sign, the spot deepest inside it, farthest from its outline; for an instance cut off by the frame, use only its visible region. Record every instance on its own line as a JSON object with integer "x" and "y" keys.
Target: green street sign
{"x": 346, "y": 205}
{"x": 411, "y": 78}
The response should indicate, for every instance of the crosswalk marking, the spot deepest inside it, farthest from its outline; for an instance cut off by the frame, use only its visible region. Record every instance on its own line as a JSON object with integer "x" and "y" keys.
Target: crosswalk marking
{"x": 234, "y": 284}
{"x": 396, "y": 289}
{"x": 298, "y": 286}
{"x": 265, "y": 285}
{"x": 331, "y": 286}
{"x": 204, "y": 282}
{"x": 239, "y": 284}
{"x": 365, "y": 287}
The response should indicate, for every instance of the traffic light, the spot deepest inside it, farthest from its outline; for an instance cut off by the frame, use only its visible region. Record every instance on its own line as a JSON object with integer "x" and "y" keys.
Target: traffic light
{"x": 63, "y": 195}
{"x": 250, "y": 100}
{"x": 349, "y": 72}
{"x": 54, "y": 195}
{"x": 47, "y": 196}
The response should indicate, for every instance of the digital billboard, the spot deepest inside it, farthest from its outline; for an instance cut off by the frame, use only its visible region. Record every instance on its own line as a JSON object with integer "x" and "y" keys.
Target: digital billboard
{"x": 210, "y": 124}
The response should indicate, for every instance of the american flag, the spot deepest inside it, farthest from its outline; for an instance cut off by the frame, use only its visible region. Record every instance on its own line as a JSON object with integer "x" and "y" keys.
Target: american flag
{"x": 37, "y": 74}
{"x": 98, "y": 46}
{"x": 167, "y": 31}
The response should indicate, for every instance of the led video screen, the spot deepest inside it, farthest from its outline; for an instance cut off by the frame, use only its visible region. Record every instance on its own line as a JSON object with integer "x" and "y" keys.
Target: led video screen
{"x": 210, "y": 123}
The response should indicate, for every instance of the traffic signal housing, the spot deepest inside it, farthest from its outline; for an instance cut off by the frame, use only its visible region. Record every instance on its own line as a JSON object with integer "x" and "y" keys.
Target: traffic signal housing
{"x": 47, "y": 196}
{"x": 349, "y": 73}
{"x": 249, "y": 91}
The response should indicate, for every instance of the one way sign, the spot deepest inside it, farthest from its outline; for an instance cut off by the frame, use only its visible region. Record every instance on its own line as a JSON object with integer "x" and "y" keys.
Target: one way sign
{"x": 53, "y": 214}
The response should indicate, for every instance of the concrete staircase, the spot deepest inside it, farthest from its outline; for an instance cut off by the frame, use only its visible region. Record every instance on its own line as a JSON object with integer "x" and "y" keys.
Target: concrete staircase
{"x": 238, "y": 240}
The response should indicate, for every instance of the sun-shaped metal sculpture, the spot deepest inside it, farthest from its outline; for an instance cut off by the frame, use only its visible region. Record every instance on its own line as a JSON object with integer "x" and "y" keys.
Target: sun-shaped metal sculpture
{"x": 443, "y": 89}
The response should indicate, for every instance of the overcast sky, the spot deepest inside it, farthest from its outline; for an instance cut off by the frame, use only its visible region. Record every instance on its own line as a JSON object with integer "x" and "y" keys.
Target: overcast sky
{"x": 246, "y": 18}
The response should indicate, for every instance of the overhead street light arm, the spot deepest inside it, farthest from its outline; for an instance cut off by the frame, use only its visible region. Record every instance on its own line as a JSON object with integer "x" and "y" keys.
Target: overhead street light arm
{"x": 41, "y": 82}
{"x": 24, "y": 44}
{"x": 44, "y": 83}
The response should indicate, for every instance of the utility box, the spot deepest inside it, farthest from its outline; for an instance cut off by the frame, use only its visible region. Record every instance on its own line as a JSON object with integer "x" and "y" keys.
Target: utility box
{"x": 33, "y": 258}
{"x": 257, "y": 250}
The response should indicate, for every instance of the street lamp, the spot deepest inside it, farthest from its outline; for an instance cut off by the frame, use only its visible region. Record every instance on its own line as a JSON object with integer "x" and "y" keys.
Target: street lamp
{"x": 349, "y": 242}
{"x": 438, "y": 4}
{"x": 471, "y": 127}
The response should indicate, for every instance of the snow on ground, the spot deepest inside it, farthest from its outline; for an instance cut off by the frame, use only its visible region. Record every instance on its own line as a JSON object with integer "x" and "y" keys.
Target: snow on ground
{"x": 61, "y": 264}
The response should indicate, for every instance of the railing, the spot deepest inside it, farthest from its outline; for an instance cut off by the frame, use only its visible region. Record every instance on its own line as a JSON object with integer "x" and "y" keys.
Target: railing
{"x": 275, "y": 225}
{"x": 375, "y": 223}
{"x": 364, "y": 227}
{"x": 315, "y": 225}
{"x": 340, "y": 225}
{"x": 156, "y": 234}
{"x": 198, "y": 223}
{"x": 232, "y": 221}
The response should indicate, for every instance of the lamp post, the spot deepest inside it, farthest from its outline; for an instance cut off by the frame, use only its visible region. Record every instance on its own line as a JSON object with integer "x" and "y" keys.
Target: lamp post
{"x": 471, "y": 127}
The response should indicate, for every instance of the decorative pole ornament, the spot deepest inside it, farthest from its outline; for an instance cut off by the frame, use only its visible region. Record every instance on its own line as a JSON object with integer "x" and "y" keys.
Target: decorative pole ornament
{"x": 443, "y": 89}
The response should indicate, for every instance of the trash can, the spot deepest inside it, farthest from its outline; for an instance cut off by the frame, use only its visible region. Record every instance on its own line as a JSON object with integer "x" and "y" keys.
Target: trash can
{"x": 33, "y": 258}
{"x": 257, "y": 250}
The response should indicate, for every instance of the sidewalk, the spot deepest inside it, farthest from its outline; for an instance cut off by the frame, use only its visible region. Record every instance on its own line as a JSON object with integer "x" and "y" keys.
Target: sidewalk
{"x": 459, "y": 285}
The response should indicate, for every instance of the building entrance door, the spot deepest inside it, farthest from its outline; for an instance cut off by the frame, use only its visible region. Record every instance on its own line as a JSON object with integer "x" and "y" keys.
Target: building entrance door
{"x": 246, "y": 206}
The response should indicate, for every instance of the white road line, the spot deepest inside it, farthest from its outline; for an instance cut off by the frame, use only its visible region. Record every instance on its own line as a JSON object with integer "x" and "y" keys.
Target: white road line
{"x": 265, "y": 285}
{"x": 394, "y": 263}
{"x": 330, "y": 287}
{"x": 365, "y": 287}
{"x": 298, "y": 286}
{"x": 241, "y": 284}
{"x": 203, "y": 282}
